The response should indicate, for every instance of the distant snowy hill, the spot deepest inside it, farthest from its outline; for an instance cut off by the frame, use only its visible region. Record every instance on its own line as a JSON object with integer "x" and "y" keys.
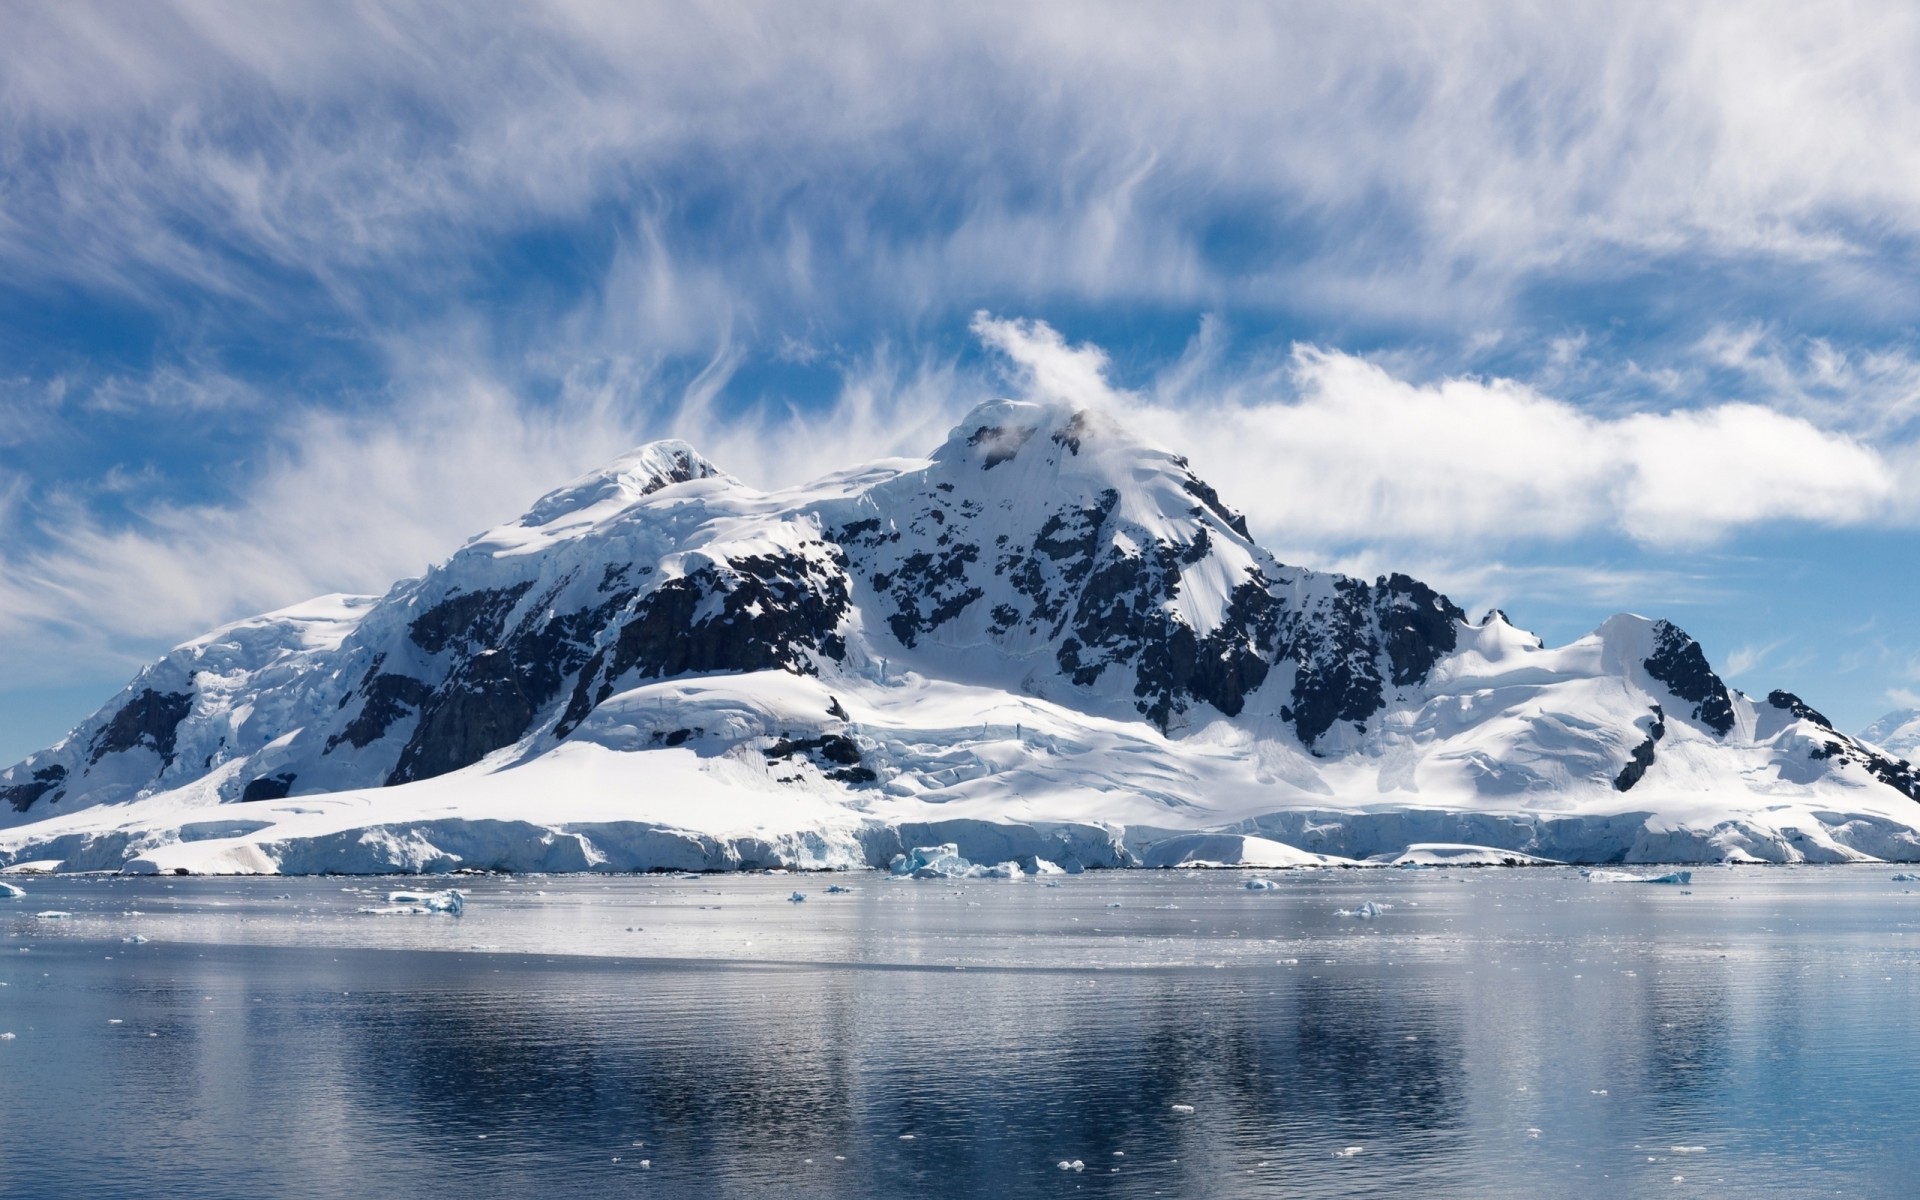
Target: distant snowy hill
{"x": 1898, "y": 732}
{"x": 1049, "y": 640}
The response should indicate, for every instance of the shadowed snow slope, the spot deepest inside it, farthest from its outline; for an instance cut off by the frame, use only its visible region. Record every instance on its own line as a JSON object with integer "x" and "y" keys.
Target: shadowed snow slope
{"x": 1049, "y": 640}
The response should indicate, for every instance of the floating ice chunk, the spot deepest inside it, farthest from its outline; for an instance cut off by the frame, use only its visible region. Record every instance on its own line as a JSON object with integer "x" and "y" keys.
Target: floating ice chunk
{"x": 53, "y": 914}
{"x": 1074, "y": 1165}
{"x": 1902, "y": 877}
{"x": 931, "y": 862}
{"x": 1262, "y": 885}
{"x": 797, "y": 898}
{"x": 1348, "y": 1152}
{"x": 1181, "y": 1108}
{"x": 1682, "y": 878}
{"x": 1460, "y": 854}
{"x": 136, "y": 939}
{"x": 1367, "y": 911}
{"x": 12, "y": 891}
{"x": 944, "y": 862}
{"x": 6, "y": 1037}
{"x": 1687, "y": 1149}
{"x": 412, "y": 904}
{"x": 834, "y": 889}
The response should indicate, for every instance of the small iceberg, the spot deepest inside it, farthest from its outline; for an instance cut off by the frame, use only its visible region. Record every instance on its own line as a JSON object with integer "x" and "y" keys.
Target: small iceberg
{"x": 53, "y": 914}
{"x": 1680, "y": 878}
{"x": 1366, "y": 912}
{"x": 1262, "y": 885}
{"x": 797, "y": 898}
{"x": 1459, "y": 854}
{"x": 413, "y": 904}
{"x": 834, "y": 889}
{"x": 10, "y": 891}
{"x": 1902, "y": 877}
{"x": 944, "y": 862}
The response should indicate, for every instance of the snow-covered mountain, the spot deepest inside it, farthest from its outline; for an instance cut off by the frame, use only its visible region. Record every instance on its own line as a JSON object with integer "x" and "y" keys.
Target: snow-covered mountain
{"x": 1897, "y": 733}
{"x": 1050, "y": 639}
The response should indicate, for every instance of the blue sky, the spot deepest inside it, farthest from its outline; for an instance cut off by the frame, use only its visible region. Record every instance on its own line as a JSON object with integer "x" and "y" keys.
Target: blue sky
{"x": 1570, "y": 312}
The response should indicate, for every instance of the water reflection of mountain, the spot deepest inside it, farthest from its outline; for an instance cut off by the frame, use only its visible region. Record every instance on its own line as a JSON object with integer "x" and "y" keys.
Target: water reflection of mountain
{"x": 996, "y": 1075}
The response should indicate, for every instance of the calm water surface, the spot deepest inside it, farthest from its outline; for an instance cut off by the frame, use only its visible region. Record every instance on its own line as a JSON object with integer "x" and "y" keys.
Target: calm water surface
{"x": 1492, "y": 1033}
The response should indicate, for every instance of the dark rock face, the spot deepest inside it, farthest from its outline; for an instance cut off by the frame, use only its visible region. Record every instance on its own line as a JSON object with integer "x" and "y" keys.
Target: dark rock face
{"x": 837, "y": 755}
{"x": 468, "y": 621}
{"x": 752, "y": 613}
{"x": 1636, "y": 768}
{"x": 268, "y": 787}
{"x": 1897, "y": 774}
{"x": 151, "y": 719}
{"x": 1788, "y": 702}
{"x": 482, "y": 708}
{"x": 1203, "y": 491}
{"x": 1418, "y": 626}
{"x": 1339, "y": 649}
{"x": 1002, "y": 445}
{"x": 765, "y": 612}
{"x": 384, "y": 700}
{"x": 21, "y": 796}
{"x": 1678, "y": 662}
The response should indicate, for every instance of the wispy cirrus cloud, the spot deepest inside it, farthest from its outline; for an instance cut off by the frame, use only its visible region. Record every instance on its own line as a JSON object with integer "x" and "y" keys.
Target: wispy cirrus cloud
{"x": 1360, "y": 157}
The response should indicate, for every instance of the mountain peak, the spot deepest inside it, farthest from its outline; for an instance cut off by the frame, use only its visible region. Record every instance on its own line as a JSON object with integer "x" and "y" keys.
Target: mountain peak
{"x": 639, "y": 472}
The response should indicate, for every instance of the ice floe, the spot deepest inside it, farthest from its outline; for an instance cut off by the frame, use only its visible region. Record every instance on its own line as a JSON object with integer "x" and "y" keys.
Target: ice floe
{"x": 10, "y": 891}
{"x": 1681, "y": 878}
{"x": 1365, "y": 911}
{"x": 1461, "y": 854}
{"x": 944, "y": 862}
{"x": 453, "y": 902}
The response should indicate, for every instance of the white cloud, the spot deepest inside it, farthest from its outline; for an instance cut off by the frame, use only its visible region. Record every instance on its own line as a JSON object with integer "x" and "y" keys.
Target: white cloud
{"x": 1440, "y": 156}
{"x": 354, "y": 502}
{"x": 1338, "y": 450}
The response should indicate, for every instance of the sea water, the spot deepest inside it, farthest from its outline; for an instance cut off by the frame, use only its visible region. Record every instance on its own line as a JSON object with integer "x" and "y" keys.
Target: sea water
{"x": 1481, "y": 1033}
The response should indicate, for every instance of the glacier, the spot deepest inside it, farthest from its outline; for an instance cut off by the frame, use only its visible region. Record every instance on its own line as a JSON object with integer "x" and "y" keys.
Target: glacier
{"x": 1047, "y": 642}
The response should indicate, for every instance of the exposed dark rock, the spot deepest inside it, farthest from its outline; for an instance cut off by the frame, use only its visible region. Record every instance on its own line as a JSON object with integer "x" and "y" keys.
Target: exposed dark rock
{"x": 831, "y": 747}
{"x": 1679, "y": 663}
{"x": 268, "y": 787}
{"x": 1636, "y": 766}
{"x": 774, "y": 611}
{"x": 385, "y": 699}
{"x": 836, "y": 754}
{"x": 21, "y": 796}
{"x": 1337, "y": 657}
{"x": 1204, "y": 493}
{"x": 928, "y": 589}
{"x": 1003, "y": 444}
{"x": 1897, "y": 774}
{"x": 835, "y": 709}
{"x": 1070, "y": 434}
{"x": 1418, "y": 626}
{"x": 1788, "y": 702}
{"x": 151, "y": 719}
{"x": 469, "y": 621}
{"x": 483, "y": 706}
